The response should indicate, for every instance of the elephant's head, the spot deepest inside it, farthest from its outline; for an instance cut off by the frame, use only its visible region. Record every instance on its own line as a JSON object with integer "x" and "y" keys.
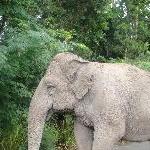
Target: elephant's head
{"x": 63, "y": 85}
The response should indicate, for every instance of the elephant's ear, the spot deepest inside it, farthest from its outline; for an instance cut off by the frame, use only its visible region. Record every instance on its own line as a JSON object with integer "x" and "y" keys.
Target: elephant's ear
{"x": 73, "y": 67}
{"x": 82, "y": 85}
{"x": 77, "y": 73}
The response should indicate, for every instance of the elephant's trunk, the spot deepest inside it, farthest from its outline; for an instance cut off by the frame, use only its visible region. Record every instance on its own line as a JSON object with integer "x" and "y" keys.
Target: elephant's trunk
{"x": 40, "y": 104}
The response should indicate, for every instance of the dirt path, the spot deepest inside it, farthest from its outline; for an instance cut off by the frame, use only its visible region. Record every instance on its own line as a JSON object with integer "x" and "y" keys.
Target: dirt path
{"x": 134, "y": 146}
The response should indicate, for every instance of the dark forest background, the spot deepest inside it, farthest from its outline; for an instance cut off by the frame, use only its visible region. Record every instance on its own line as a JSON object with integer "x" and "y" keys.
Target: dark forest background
{"x": 33, "y": 31}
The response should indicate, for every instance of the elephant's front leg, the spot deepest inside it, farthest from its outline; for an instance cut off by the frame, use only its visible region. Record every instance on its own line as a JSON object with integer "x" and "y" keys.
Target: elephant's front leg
{"x": 105, "y": 136}
{"x": 83, "y": 136}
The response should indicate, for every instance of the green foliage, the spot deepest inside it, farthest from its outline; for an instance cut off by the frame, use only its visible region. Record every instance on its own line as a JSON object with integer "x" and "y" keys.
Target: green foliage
{"x": 81, "y": 50}
{"x": 15, "y": 137}
{"x": 134, "y": 49}
{"x": 50, "y": 138}
{"x": 142, "y": 62}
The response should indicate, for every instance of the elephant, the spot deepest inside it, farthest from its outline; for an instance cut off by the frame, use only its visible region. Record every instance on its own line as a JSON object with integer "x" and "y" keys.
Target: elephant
{"x": 110, "y": 102}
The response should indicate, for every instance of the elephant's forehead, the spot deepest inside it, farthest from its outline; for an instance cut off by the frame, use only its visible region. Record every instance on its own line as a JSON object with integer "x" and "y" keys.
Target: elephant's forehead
{"x": 55, "y": 80}
{"x": 55, "y": 75}
{"x": 53, "y": 68}
{"x": 65, "y": 57}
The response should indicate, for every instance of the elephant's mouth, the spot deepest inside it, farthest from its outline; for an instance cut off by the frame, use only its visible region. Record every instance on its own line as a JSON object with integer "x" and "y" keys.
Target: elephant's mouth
{"x": 49, "y": 113}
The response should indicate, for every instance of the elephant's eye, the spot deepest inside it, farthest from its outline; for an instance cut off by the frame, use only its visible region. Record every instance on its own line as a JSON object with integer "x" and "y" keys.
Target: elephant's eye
{"x": 72, "y": 77}
{"x": 51, "y": 89}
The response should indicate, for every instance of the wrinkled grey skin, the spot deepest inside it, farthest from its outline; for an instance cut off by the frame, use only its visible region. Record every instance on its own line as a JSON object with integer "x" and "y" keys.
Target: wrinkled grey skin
{"x": 110, "y": 102}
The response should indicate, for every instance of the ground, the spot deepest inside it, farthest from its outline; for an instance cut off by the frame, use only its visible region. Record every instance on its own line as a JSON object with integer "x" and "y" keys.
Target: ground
{"x": 122, "y": 146}
{"x": 134, "y": 146}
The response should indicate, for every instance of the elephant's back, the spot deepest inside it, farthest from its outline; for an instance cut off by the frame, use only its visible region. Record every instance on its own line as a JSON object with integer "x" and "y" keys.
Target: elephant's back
{"x": 123, "y": 76}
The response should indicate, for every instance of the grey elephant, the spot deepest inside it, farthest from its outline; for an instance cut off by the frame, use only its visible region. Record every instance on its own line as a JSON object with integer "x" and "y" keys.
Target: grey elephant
{"x": 110, "y": 102}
